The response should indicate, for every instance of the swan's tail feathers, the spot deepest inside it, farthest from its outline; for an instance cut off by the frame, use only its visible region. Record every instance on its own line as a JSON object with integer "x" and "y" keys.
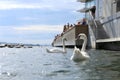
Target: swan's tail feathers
{"x": 47, "y": 50}
{"x": 75, "y": 47}
{"x": 87, "y": 56}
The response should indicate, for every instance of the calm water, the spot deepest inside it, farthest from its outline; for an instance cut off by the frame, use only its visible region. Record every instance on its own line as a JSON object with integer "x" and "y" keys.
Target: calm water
{"x": 36, "y": 64}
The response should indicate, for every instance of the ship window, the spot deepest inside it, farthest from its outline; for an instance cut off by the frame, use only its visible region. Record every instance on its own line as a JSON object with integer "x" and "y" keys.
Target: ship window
{"x": 118, "y": 5}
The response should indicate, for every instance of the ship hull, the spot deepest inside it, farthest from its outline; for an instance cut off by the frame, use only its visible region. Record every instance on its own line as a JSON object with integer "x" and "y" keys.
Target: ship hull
{"x": 109, "y": 45}
{"x": 71, "y": 36}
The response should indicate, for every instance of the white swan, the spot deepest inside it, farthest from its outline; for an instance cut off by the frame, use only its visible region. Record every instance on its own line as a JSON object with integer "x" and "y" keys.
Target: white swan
{"x": 57, "y": 50}
{"x": 78, "y": 54}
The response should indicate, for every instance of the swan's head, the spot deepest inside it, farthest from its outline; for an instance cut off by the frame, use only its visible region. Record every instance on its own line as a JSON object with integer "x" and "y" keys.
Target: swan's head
{"x": 64, "y": 39}
{"x": 82, "y": 36}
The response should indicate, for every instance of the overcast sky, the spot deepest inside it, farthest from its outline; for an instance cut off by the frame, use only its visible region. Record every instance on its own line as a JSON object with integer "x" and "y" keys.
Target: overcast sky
{"x": 36, "y": 21}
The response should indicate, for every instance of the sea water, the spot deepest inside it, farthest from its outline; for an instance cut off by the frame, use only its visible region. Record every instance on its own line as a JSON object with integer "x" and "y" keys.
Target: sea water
{"x": 36, "y": 64}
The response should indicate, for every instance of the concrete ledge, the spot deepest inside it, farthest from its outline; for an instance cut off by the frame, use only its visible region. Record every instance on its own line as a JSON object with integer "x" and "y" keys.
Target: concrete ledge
{"x": 114, "y": 46}
{"x": 108, "y": 40}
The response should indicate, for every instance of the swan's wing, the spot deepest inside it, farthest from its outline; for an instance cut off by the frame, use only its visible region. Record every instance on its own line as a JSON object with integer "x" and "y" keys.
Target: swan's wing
{"x": 75, "y": 48}
{"x": 48, "y": 50}
{"x": 82, "y": 54}
{"x": 85, "y": 54}
{"x": 79, "y": 55}
{"x": 76, "y": 54}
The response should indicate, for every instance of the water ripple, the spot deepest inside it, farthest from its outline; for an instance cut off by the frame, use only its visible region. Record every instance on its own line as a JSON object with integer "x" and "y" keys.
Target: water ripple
{"x": 8, "y": 74}
{"x": 61, "y": 71}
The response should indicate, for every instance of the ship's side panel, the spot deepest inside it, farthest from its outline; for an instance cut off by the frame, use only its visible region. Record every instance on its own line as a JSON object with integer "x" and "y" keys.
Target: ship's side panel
{"x": 57, "y": 41}
{"x": 108, "y": 8}
{"x": 71, "y": 36}
{"x": 105, "y": 8}
{"x": 78, "y": 30}
{"x": 110, "y": 26}
{"x": 110, "y": 21}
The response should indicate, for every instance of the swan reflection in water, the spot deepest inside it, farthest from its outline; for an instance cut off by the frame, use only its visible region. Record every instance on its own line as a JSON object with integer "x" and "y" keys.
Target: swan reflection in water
{"x": 80, "y": 55}
{"x": 57, "y": 50}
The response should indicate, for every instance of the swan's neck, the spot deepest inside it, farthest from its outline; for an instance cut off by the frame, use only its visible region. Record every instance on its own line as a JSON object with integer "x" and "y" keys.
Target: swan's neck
{"x": 64, "y": 49}
{"x": 84, "y": 44}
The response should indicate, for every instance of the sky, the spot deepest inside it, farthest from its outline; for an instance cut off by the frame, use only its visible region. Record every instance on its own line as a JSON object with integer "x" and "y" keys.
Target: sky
{"x": 36, "y": 21}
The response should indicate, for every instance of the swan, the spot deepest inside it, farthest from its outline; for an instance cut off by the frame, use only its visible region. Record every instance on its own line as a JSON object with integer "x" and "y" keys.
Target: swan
{"x": 79, "y": 55}
{"x": 57, "y": 50}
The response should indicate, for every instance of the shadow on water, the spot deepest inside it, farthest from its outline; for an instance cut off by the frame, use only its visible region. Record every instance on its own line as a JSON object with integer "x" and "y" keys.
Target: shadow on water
{"x": 7, "y": 75}
{"x": 55, "y": 73}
